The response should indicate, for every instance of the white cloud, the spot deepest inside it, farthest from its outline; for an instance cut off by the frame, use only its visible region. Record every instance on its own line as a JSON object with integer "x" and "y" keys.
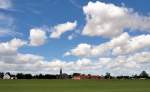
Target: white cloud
{"x": 11, "y": 46}
{"x": 123, "y": 44}
{"x": 121, "y": 62}
{"x": 142, "y": 57}
{"x": 31, "y": 63}
{"x": 127, "y": 62}
{"x": 81, "y": 50}
{"x": 5, "y": 4}
{"x": 84, "y": 62}
{"x": 59, "y": 29}
{"x": 37, "y": 37}
{"x": 13, "y": 61}
{"x": 109, "y": 20}
{"x": 133, "y": 44}
{"x": 37, "y": 64}
{"x": 28, "y": 58}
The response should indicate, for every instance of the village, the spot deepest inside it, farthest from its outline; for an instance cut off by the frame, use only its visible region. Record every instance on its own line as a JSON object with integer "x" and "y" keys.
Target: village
{"x": 61, "y": 75}
{"x": 75, "y": 76}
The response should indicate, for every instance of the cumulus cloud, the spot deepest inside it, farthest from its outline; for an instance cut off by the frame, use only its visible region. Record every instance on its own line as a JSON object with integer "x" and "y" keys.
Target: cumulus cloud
{"x": 142, "y": 57}
{"x": 59, "y": 29}
{"x": 31, "y": 63}
{"x": 37, "y": 64}
{"x": 121, "y": 45}
{"x": 37, "y": 37}
{"x": 13, "y": 61}
{"x": 133, "y": 44}
{"x": 28, "y": 58}
{"x": 11, "y": 47}
{"x": 81, "y": 50}
{"x": 120, "y": 62}
{"x": 133, "y": 61}
{"x": 109, "y": 20}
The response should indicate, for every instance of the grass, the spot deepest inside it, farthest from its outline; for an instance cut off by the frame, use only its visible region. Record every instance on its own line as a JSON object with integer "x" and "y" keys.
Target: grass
{"x": 74, "y": 86}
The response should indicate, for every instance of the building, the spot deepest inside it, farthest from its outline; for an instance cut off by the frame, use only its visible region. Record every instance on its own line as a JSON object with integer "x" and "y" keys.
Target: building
{"x": 78, "y": 76}
{"x": 60, "y": 73}
{"x": 13, "y": 77}
{"x": 63, "y": 75}
{"x": 6, "y": 76}
{"x": 9, "y": 76}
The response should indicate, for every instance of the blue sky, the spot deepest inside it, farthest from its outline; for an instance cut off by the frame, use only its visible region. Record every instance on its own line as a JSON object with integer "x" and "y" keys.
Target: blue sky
{"x": 24, "y": 15}
{"x": 30, "y": 13}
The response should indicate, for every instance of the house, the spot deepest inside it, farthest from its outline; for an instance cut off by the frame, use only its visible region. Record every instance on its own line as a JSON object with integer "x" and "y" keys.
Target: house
{"x": 65, "y": 76}
{"x": 13, "y": 77}
{"x": 78, "y": 76}
{"x": 6, "y": 76}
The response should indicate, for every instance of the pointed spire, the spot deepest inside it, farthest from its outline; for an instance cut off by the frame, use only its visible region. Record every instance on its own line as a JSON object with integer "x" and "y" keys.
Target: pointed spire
{"x": 60, "y": 75}
{"x": 60, "y": 71}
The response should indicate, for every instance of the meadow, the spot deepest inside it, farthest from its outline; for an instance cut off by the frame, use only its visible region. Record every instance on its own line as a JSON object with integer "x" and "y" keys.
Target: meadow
{"x": 74, "y": 85}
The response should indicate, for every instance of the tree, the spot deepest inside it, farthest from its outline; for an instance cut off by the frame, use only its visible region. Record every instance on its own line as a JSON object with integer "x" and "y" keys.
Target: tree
{"x": 20, "y": 76}
{"x": 40, "y": 76}
{"x": 1, "y": 74}
{"x": 144, "y": 74}
{"x": 76, "y": 74}
{"x": 28, "y": 76}
{"x": 108, "y": 76}
{"x": 135, "y": 76}
{"x": 8, "y": 73}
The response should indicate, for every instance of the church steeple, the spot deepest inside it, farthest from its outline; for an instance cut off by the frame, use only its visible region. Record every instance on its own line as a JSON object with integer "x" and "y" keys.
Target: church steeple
{"x": 60, "y": 75}
{"x": 60, "y": 71}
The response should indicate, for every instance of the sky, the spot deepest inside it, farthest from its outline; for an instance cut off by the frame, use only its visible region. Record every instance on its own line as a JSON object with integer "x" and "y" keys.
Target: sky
{"x": 84, "y": 36}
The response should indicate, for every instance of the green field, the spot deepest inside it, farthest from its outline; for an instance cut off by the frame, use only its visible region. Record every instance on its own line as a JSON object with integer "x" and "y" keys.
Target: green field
{"x": 74, "y": 86}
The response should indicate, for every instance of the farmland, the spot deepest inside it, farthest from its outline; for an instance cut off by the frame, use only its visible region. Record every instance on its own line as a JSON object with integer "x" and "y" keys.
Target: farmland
{"x": 74, "y": 85}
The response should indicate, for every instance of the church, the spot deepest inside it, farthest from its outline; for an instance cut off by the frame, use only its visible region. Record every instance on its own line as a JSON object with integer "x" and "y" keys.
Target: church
{"x": 63, "y": 75}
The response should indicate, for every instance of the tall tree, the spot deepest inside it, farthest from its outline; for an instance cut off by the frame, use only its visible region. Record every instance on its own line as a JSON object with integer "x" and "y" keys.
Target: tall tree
{"x": 108, "y": 76}
{"x": 144, "y": 74}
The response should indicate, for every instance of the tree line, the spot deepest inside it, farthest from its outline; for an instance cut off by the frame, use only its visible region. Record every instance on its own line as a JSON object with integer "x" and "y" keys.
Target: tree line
{"x": 142, "y": 75}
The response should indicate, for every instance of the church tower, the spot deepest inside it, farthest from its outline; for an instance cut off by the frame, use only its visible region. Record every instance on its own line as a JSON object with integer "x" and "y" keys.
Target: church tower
{"x": 60, "y": 75}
